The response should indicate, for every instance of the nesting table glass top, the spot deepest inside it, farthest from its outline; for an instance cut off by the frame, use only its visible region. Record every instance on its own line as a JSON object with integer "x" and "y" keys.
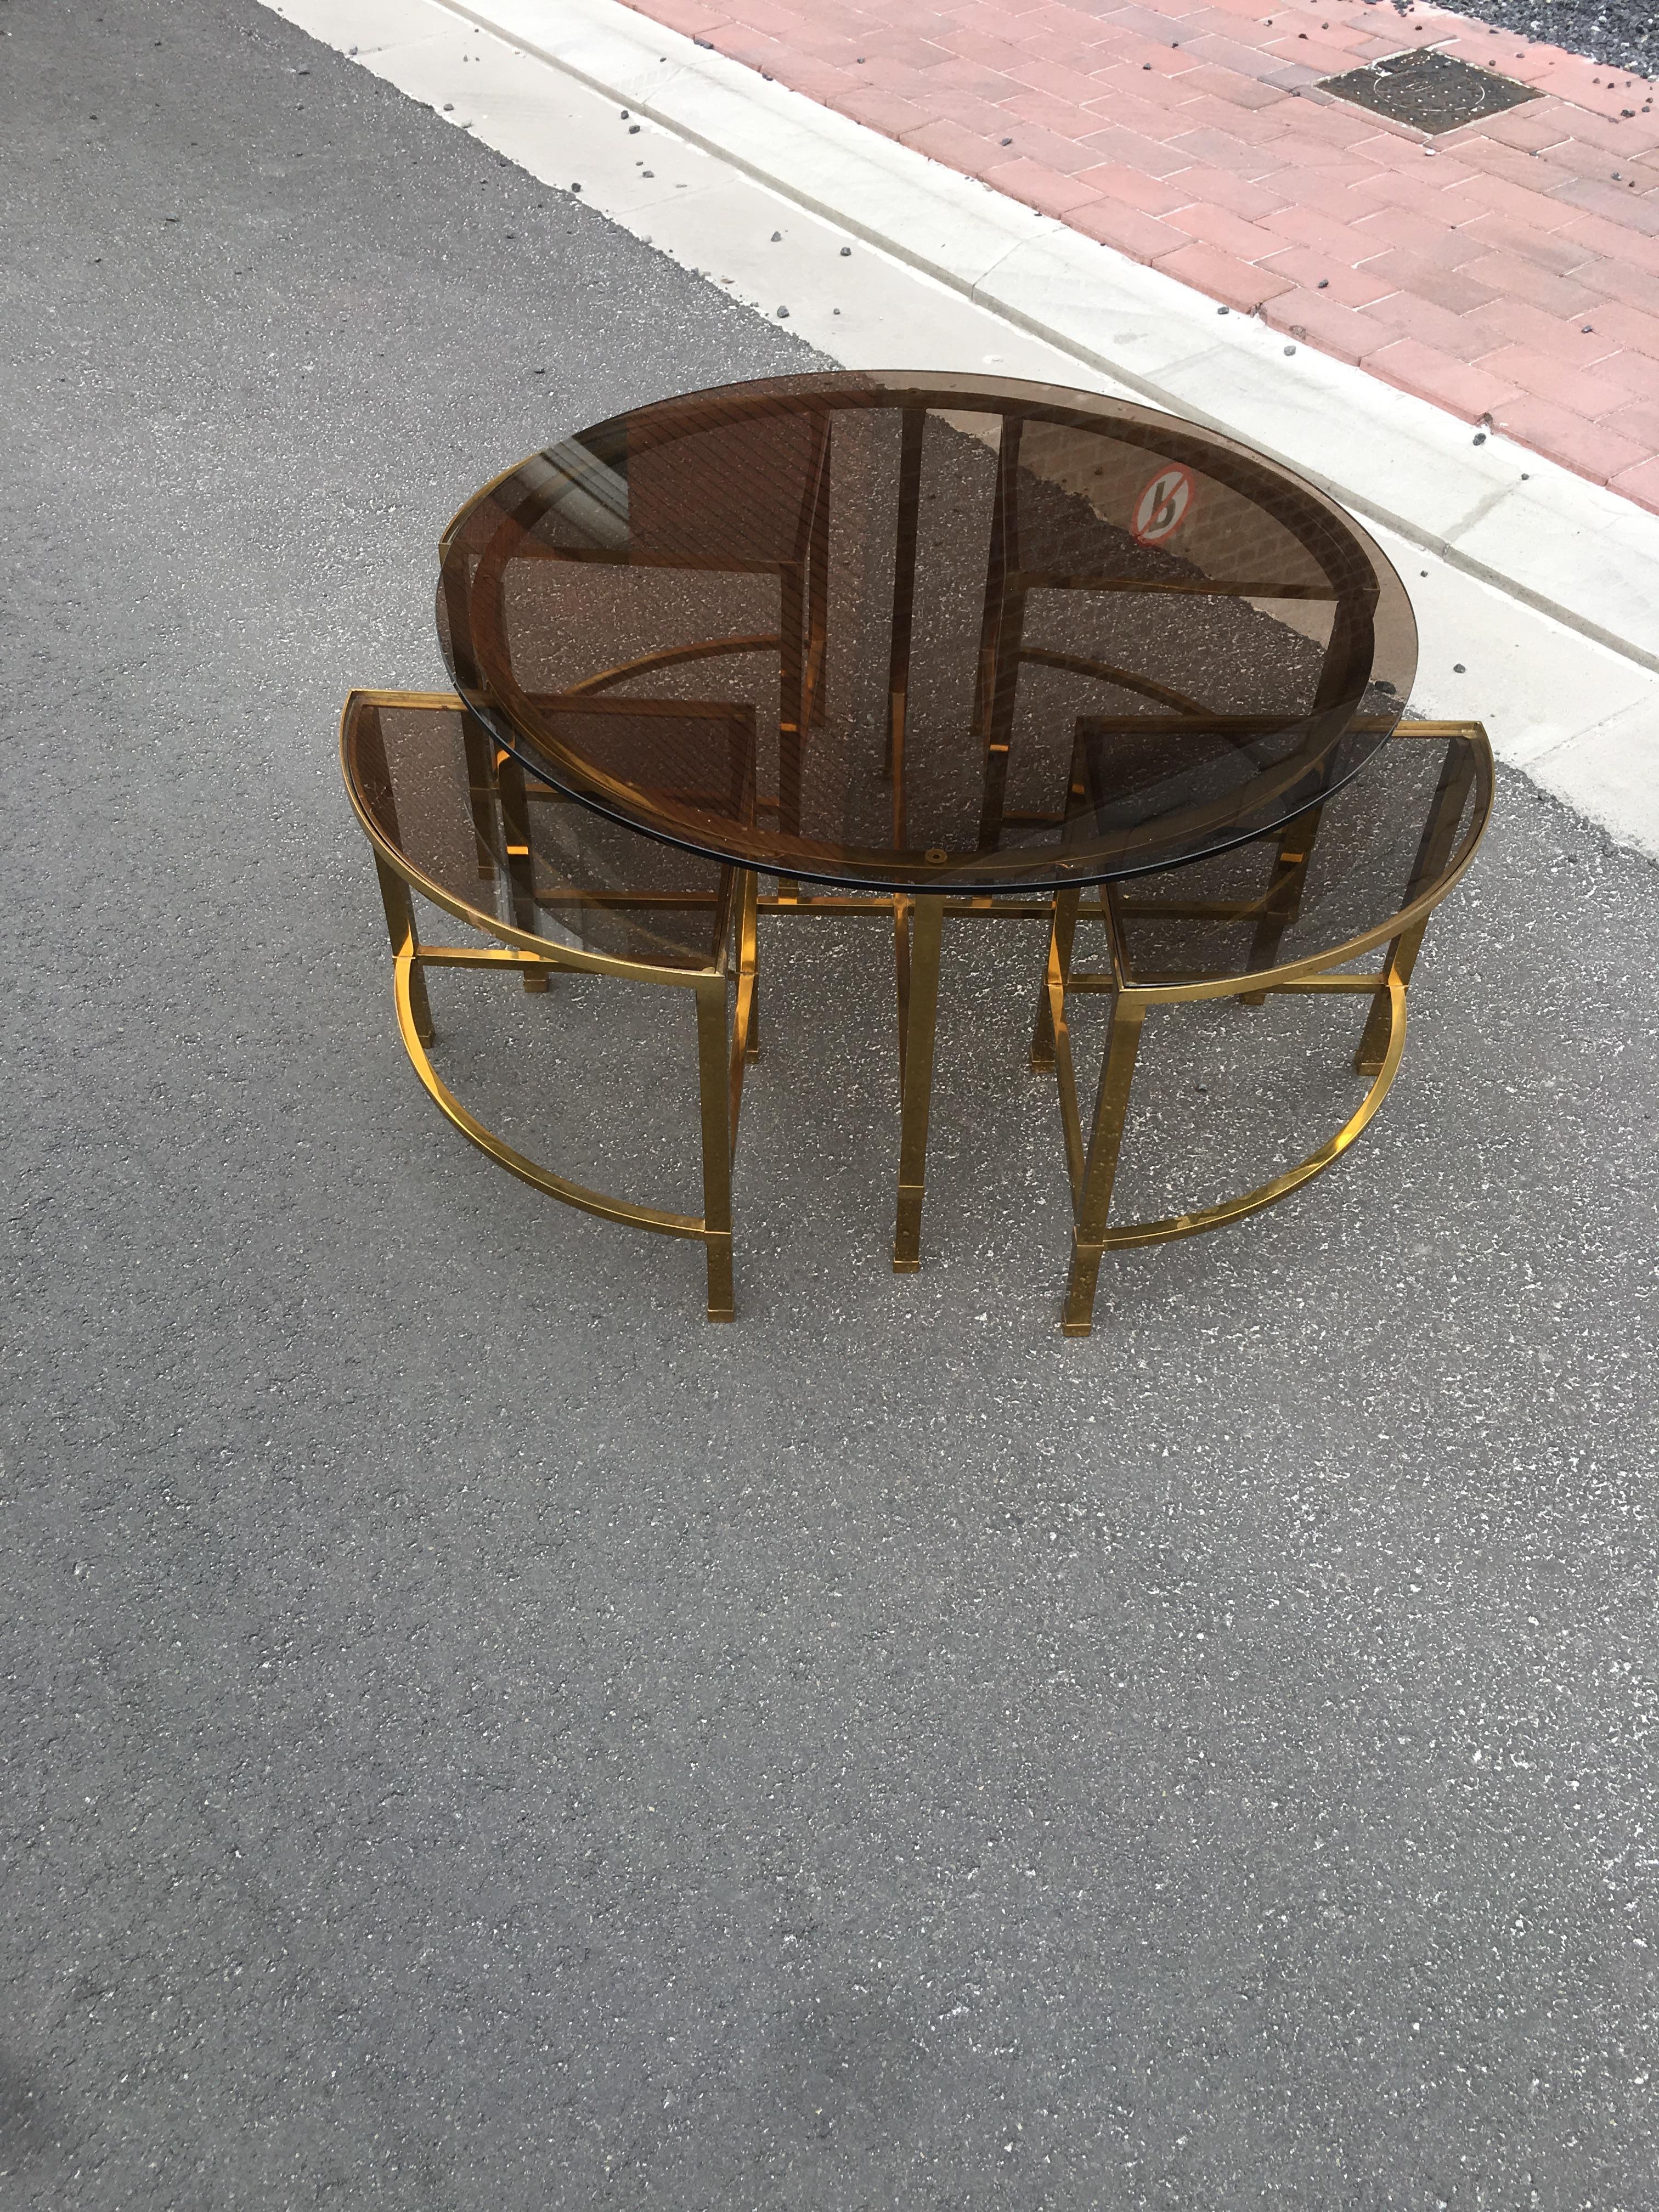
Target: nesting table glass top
{"x": 924, "y": 633}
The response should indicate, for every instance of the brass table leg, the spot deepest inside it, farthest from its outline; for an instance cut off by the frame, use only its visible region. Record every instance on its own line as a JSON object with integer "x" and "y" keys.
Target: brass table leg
{"x": 713, "y": 1068}
{"x": 918, "y": 1016}
{"x": 400, "y": 927}
{"x": 1439, "y": 836}
{"x": 1061, "y": 937}
{"x": 1105, "y": 1139}
{"x": 515, "y": 820}
{"x": 1283, "y": 904}
{"x": 480, "y": 748}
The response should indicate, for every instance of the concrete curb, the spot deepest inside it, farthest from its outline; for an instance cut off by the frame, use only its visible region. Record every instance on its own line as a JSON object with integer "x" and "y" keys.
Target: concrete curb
{"x": 1572, "y": 549}
{"x": 1519, "y": 525}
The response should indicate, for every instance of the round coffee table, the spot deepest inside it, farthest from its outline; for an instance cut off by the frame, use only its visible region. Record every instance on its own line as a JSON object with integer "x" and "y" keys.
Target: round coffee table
{"x": 993, "y": 641}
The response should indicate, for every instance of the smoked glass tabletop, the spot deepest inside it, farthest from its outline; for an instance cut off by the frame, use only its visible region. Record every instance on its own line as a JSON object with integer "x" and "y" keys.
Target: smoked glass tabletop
{"x": 986, "y": 636}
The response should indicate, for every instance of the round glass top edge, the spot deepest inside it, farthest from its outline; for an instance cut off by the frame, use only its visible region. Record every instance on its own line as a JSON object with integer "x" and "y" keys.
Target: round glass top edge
{"x": 938, "y": 390}
{"x": 1016, "y": 869}
{"x": 958, "y": 875}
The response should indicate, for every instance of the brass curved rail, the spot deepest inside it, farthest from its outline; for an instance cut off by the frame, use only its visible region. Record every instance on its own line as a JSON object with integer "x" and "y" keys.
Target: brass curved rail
{"x": 1104, "y": 671}
{"x": 504, "y": 1155}
{"x": 1442, "y": 857}
{"x": 1415, "y": 911}
{"x": 1269, "y": 1193}
{"x": 476, "y": 917}
{"x": 670, "y": 656}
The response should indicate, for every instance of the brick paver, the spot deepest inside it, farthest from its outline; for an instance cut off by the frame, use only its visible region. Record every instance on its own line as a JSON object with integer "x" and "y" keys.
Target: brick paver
{"x": 1509, "y": 270}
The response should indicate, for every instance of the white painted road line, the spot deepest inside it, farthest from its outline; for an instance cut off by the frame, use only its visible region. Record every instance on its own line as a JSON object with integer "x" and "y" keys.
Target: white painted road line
{"x": 1537, "y": 593}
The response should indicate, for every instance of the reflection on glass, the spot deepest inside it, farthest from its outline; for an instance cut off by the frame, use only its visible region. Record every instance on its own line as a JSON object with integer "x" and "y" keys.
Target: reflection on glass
{"x": 973, "y": 635}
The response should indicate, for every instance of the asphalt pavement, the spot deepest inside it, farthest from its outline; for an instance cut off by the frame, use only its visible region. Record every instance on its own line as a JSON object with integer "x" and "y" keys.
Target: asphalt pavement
{"x": 477, "y": 1736}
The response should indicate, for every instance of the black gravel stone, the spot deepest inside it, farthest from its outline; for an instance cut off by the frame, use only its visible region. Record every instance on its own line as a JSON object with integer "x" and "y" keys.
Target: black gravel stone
{"x": 1624, "y": 33}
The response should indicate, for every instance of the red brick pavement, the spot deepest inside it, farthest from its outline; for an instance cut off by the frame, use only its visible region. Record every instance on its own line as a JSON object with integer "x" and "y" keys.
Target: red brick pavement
{"x": 1509, "y": 269}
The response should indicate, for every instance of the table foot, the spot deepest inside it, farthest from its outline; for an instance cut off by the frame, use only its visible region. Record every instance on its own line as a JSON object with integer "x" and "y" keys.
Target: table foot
{"x": 907, "y": 1237}
{"x": 919, "y": 991}
{"x": 1078, "y": 1317}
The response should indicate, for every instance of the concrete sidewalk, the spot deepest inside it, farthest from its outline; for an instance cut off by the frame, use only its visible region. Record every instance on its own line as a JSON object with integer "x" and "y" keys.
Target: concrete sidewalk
{"x": 1508, "y": 271}
{"x": 1536, "y": 592}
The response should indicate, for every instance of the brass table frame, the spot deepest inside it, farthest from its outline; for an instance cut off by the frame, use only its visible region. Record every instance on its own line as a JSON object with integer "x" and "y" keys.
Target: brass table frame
{"x": 918, "y": 921}
{"x": 722, "y": 1053}
{"x": 1091, "y": 1156}
{"x": 1092, "y": 1164}
{"x": 1336, "y": 568}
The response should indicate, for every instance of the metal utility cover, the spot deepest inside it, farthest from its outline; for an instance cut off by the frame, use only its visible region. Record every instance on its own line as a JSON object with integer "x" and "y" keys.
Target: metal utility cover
{"x": 1430, "y": 91}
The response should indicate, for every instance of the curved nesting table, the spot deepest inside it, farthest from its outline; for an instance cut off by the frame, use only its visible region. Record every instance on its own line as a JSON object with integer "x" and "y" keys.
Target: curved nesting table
{"x": 989, "y": 645}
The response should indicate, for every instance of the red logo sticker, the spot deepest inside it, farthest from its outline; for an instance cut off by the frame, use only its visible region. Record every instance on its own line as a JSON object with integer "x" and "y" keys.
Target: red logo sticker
{"x": 1162, "y": 506}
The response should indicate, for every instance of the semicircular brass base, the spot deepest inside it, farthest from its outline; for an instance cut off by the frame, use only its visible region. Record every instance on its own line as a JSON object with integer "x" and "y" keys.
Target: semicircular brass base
{"x": 1281, "y": 1185}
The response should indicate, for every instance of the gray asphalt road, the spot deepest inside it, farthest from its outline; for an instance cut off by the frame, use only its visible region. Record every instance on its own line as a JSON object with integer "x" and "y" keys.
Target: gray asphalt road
{"x": 476, "y": 1737}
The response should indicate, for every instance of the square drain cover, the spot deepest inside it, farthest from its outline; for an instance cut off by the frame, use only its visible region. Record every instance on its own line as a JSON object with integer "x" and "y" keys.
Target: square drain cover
{"x": 1428, "y": 90}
